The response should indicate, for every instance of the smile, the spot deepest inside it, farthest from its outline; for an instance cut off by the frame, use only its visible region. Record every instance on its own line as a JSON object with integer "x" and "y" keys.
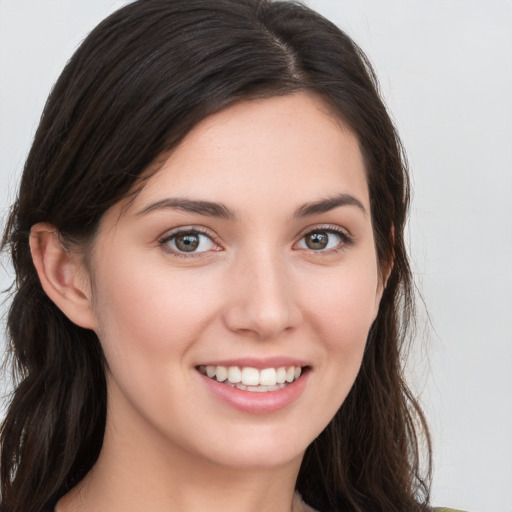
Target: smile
{"x": 252, "y": 379}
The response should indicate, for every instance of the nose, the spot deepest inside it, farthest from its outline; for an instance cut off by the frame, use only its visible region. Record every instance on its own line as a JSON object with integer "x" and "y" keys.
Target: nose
{"x": 261, "y": 297}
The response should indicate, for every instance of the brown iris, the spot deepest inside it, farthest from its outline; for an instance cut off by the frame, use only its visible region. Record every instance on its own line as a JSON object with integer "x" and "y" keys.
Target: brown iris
{"x": 187, "y": 242}
{"x": 317, "y": 240}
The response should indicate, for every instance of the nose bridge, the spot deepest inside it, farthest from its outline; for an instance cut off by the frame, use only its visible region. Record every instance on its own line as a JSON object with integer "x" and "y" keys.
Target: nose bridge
{"x": 263, "y": 301}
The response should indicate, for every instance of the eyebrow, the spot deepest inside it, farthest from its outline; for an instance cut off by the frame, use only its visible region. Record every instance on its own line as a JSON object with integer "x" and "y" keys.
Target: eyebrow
{"x": 325, "y": 205}
{"x": 212, "y": 209}
{"x": 206, "y": 208}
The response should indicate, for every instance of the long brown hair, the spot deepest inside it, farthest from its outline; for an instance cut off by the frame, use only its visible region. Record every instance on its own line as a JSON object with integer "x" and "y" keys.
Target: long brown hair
{"x": 137, "y": 85}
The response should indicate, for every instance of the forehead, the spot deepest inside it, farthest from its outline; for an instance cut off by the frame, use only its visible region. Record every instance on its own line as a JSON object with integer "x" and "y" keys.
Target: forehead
{"x": 289, "y": 148}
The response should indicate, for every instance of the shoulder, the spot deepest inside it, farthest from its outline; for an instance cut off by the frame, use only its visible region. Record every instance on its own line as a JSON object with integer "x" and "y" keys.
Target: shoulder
{"x": 444, "y": 509}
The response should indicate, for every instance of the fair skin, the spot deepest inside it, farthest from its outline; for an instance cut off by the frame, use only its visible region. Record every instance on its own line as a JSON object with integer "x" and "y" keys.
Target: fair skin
{"x": 265, "y": 281}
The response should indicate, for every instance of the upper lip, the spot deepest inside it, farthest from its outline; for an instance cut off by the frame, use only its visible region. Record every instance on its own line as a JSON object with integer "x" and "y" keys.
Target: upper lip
{"x": 258, "y": 363}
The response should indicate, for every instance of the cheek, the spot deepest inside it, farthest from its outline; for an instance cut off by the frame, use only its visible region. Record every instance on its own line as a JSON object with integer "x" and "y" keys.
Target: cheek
{"x": 341, "y": 316}
{"x": 151, "y": 312}
{"x": 345, "y": 304}
{"x": 149, "y": 323}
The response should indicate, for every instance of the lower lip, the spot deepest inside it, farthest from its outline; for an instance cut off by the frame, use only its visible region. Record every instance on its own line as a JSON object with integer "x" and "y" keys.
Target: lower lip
{"x": 257, "y": 402}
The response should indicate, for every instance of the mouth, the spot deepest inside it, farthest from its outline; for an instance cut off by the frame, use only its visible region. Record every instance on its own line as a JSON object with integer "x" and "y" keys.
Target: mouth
{"x": 251, "y": 379}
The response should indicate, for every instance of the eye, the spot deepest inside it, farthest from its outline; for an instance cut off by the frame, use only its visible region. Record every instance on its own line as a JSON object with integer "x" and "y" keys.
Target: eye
{"x": 323, "y": 240}
{"x": 189, "y": 241}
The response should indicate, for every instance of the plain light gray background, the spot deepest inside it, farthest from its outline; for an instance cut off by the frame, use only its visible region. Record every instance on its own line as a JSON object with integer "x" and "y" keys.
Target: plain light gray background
{"x": 446, "y": 73}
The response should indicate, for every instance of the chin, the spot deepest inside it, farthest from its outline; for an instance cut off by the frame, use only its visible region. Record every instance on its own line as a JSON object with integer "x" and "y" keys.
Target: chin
{"x": 263, "y": 447}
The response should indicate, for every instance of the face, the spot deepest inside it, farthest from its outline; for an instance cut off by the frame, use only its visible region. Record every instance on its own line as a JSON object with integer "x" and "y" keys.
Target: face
{"x": 248, "y": 258}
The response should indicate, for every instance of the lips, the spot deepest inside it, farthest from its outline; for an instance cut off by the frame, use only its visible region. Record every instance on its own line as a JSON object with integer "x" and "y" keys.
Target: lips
{"x": 256, "y": 386}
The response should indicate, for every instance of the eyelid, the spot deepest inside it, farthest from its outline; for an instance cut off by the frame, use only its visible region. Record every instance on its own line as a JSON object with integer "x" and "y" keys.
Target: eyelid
{"x": 169, "y": 235}
{"x": 346, "y": 236}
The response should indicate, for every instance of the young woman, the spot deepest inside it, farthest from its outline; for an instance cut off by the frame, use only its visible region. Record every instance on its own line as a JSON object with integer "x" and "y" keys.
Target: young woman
{"x": 212, "y": 289}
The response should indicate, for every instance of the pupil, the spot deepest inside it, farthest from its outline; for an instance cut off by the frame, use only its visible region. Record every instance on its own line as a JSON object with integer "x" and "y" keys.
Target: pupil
{"x": 187, "y": 243}
{"x": 317, "y": 240}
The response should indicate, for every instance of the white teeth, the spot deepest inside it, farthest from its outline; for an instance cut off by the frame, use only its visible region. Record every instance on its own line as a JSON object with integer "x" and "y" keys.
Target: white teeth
{"x": 234, "y": 374}
{"x": 268, "y": 377}
{"x": 221, "y": 372}
{"x": 250, "y": 376}
{"x": 252, "y": 379}
{"x": 258, "y": 389}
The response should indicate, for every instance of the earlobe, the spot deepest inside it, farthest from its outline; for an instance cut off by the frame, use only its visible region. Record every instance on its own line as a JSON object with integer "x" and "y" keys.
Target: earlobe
{"x": 62, "y": 275}
{"x": 387, "y": 268}
{"x": 383, "y": 277}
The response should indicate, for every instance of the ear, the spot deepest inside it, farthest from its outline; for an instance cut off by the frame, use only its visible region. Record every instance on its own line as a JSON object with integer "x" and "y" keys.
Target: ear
{"x": 383, "y": 274}
{"x": 382, "y": 281}
{"x": 63, "y": 275}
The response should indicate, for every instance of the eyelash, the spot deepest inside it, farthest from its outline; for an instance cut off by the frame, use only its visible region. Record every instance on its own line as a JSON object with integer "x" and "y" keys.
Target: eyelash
{"x": 345, "y": 240}
{"x": 185, "y": 231}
